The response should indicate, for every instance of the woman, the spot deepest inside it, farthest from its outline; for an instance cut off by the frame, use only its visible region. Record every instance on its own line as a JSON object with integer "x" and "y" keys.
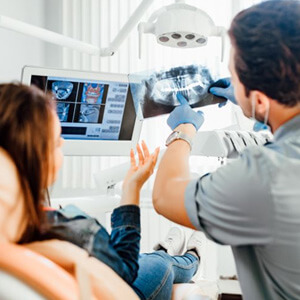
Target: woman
{"x": 30, "y": 137}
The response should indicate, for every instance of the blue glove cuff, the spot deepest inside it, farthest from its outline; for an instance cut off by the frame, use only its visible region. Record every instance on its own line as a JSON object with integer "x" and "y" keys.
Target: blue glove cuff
{"x": 184, "y": 114}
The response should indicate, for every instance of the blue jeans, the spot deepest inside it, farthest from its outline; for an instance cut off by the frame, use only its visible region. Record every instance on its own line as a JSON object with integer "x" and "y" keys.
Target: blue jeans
{"x": 158, "y": 271}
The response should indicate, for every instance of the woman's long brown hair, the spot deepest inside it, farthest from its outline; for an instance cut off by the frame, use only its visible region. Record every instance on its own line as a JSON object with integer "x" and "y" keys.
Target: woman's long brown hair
{"x": 25, "y": 133}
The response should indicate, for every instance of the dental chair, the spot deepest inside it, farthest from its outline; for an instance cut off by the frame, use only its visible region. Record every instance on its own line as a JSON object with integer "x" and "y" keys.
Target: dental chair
{"x": 40, "y": 271}
{"x": 57, "y": 270}
{"x": 27, "y": 275}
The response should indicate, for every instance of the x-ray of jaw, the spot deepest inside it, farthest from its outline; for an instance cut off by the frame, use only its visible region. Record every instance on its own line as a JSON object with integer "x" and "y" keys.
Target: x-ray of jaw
{"x": 155, "y": 92}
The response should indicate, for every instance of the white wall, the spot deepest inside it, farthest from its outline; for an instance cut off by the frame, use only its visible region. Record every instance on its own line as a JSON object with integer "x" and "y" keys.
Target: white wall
{"x": 53, "y": 21}
{"x": 17, "y": 49}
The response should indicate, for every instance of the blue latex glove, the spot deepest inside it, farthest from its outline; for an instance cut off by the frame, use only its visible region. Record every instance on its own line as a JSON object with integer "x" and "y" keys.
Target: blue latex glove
{"x": 183, "y": 114}
{"x": 223, "y": 88}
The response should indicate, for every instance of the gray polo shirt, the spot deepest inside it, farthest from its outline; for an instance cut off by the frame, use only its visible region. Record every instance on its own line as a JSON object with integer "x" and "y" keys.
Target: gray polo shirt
{"x": 253, "y": 205}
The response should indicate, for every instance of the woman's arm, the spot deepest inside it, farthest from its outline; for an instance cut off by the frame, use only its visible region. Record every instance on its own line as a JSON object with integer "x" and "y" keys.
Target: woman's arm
{"x": 125, "y": 220}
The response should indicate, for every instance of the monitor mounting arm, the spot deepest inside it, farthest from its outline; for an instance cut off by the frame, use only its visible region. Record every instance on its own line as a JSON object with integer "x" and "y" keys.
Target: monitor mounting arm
{"x": 62, "y": 40}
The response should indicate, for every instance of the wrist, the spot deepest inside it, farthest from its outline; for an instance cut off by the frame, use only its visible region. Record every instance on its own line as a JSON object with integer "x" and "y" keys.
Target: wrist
{"x": 187, "y": 128}
{"x": 130, "y": 194}
{"x": 179, "y": 136}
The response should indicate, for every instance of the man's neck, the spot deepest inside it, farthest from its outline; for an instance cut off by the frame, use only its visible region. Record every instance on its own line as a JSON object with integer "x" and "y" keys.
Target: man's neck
{"x": 280, "y": 114}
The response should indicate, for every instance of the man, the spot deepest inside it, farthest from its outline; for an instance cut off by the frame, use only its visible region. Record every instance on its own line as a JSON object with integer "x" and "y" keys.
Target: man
{"x": 253, "y": 203}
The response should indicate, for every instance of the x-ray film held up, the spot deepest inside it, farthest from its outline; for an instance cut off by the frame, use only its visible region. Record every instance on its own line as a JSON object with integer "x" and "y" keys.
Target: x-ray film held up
{"x": 154, "y": 93}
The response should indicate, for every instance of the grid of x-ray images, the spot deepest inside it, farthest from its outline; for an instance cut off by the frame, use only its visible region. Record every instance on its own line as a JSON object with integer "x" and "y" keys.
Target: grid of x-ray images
{"x": 79, "y": 102}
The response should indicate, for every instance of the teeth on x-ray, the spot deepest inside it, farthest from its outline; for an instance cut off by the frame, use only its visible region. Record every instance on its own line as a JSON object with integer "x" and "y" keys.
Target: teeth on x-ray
{"x": 62, "y": 111}
{"x": 156, "y": 93}
{"x": 62, "y": 89}
{"x": 89, "y": 113}
{"x": 192, "y": 82}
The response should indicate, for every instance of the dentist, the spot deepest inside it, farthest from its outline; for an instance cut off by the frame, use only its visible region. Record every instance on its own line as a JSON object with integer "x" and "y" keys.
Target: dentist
{"x": 252, "y": 203}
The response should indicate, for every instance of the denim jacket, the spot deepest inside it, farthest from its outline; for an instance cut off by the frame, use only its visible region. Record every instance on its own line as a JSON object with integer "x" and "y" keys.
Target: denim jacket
{"x": 119, "y": 250}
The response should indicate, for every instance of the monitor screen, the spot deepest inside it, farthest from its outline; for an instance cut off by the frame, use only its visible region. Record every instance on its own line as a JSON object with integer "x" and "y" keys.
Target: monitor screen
{"x": 92, "y": 107}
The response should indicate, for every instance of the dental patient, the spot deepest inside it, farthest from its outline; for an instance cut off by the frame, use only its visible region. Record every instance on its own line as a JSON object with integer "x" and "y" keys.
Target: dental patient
{"x": 31, "y": 156}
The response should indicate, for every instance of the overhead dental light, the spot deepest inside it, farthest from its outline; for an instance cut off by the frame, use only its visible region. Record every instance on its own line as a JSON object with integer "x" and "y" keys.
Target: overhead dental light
{"x": 177, "y": 25}
{"x": 181, "y": 25}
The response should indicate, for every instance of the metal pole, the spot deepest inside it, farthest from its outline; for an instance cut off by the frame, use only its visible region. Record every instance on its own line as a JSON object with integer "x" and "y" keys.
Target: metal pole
{"x": 47, "y": 35}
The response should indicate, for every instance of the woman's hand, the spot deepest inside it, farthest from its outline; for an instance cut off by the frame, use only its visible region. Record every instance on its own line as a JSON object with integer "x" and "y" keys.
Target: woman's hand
{"x": 138, "y": 173}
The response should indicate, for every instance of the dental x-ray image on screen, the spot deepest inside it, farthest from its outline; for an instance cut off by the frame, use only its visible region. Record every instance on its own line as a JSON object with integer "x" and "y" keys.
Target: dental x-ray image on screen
{"x": 155, "y": 92}
{"x": 92, "y": 93}
{"x": 65, "y": 93}
{"x": 89, "y": 113}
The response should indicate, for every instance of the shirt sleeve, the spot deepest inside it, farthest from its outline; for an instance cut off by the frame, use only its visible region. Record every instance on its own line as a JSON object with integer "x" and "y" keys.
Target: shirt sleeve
{"x": 233, "y": 205}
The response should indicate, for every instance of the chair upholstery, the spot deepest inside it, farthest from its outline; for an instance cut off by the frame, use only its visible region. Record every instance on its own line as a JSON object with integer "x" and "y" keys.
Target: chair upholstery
{"x": 13, "y": 288}
{"x": 60, "y": 270}
{"x": 38, "y": 272}
{"x": 76, "y": 260}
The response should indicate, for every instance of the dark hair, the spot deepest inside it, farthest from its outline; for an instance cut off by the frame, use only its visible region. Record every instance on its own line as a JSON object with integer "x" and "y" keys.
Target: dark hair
{"x": 25, "y": 127}
{"x": 266, "y": 39}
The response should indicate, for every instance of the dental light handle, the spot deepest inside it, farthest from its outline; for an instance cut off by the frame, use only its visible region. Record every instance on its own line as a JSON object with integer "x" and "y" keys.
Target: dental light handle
{"x": 154, "y": 16}
{"x": 144, "y": 28}
{"x": 220, "y": 32}
{"x": 141, "y": 31}
{"x": 148, "y": 27}
{"x": 223, "y": 34}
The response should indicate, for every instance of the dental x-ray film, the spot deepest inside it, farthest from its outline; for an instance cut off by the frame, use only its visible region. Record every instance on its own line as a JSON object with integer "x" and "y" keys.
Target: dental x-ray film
{"x": 154, "y": 93}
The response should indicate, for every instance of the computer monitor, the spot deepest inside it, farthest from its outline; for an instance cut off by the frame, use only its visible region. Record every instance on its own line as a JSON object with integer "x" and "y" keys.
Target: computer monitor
{"x": 96, "y": 110}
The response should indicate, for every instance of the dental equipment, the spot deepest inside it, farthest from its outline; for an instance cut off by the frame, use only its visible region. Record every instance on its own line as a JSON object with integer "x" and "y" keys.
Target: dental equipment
{"x": 217, "y": 143}
{"x": 177, "y": 25}
{"x": 65, "y": 41}
{"x": 182, "y": 26}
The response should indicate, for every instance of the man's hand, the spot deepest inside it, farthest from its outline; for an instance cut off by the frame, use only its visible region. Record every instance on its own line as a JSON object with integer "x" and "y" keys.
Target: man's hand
{"x": 184, "y": 114}
{"x": 223, "y": 88}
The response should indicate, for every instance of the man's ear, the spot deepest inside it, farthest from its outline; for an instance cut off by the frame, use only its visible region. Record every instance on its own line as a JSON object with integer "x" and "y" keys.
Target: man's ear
{"x": 261, "y": 101}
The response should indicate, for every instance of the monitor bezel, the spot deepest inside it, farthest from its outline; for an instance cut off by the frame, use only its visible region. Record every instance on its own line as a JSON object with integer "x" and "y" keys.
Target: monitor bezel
{"x": 89, "y": 147}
